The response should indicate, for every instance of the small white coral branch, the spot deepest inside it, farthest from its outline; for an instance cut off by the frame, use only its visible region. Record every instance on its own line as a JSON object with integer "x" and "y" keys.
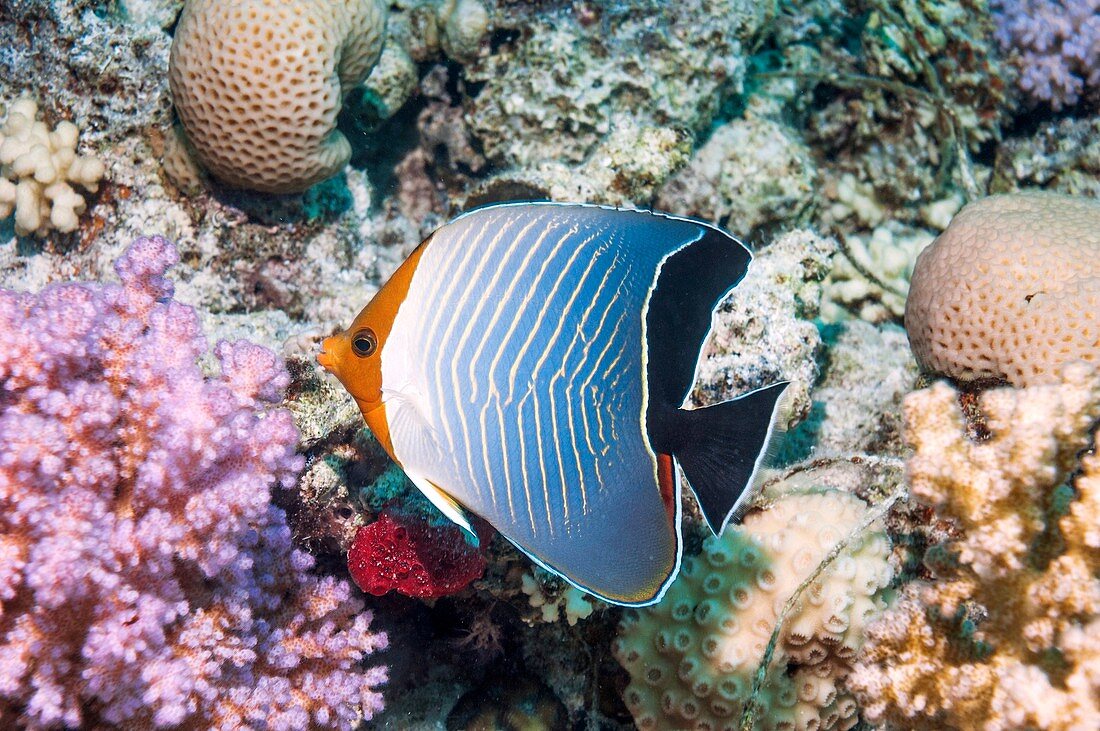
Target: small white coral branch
{"x": 38, "y": 169}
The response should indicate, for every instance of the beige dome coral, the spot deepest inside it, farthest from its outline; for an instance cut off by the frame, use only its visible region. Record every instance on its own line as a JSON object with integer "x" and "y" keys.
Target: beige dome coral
{"x": 38, "y": 169}
{"x": 692, "y": 657}
{"x": 1010, "y": 290}
{"x": 258, "y": 84}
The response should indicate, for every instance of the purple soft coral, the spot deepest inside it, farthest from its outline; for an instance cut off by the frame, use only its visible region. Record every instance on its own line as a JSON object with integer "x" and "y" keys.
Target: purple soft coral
{"x": 145, "y": 577}
{"x": 1056, "y": 45}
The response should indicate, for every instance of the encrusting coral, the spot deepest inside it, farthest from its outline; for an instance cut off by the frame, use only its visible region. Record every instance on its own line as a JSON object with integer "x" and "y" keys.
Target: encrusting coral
{"x": 1008, "y": 635}
{"x": 750, "y": 172}
{"x": 38, "y": 169}
{"x": 1009, "y": 290}
{"x": 146, "y": 578}
{"x": 692, "y": 658}
{"x": 553, "y": 94}
{"x": 258, "y": 85}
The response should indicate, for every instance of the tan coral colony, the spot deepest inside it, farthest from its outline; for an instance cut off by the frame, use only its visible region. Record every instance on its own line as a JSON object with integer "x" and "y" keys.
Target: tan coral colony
{"x": 258, "y": 84}
{"x": 1011, "y": 290}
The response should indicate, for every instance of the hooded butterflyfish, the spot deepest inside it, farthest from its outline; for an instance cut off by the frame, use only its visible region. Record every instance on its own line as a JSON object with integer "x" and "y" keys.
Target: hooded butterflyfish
{"x": 529, "y": 362}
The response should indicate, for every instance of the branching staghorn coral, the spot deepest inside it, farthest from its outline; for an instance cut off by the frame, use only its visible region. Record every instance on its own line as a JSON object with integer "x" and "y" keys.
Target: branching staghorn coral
{"x": 1008, "y": 635}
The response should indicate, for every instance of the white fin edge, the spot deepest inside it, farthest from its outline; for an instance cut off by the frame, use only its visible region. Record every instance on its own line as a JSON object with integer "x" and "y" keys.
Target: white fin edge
{"x": 447, "y": 505}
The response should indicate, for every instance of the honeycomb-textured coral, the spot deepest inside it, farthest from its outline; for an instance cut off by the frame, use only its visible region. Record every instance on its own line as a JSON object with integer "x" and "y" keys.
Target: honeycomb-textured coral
{"x": 1010, "y": 290}
{"x": 258, "y": 84}
{"x": 692, "y": 657}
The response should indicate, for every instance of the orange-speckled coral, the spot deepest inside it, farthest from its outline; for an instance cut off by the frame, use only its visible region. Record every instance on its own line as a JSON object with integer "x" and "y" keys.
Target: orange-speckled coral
{"x": 1010, "y": 290}
{"x": 1008, "y": 636}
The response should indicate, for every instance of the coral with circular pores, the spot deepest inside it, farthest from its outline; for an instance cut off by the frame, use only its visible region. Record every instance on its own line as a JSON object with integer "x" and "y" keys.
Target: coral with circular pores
{"x": 38, "y": 169}
{"x": 1009, "y": 290}
{"x": 1007, "y": 636}
{"x": 148, "y": 580}
{"x": 258, "y": 85}
{"x": 693, "y": 657}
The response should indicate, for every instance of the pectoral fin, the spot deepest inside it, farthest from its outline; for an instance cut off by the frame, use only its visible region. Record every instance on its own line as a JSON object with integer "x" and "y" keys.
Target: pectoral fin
{"x": 447, "y": 505}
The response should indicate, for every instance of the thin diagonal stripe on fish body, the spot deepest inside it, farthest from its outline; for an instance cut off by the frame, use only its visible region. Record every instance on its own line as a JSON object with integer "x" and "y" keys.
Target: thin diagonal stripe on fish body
{"x": 488, "y": 303}
{"x": 492, "y": 335}
{"x": 561, "y": 360}
{"x": 586, "y": 392}
{"x": 547, "y": 284}
{"x": 552, "y": 359}
{"x": 601, "y": 304}
{"x": 479, "y": 385}
{"x": 462, "y": 262}
{"x": 546, "y": 476}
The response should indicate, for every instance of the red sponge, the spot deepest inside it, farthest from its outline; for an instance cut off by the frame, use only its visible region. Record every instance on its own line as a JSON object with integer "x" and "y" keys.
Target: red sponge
{"x": 417, "y": 559}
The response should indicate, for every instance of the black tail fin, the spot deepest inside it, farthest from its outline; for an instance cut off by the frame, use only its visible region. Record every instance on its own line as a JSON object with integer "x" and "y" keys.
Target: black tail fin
{"x": 722, "y": 447}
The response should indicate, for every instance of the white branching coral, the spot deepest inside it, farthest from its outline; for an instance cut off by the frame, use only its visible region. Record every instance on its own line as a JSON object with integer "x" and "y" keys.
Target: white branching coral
{"x": 571, "y": 604}
{"x": 1008, "y": 636}
{"x": 38, "y": 169}
{"x": 692, "y": 658}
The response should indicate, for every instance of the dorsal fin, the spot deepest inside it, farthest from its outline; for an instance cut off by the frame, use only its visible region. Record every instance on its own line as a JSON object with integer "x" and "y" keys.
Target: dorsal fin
{"x": 689, "y": 285}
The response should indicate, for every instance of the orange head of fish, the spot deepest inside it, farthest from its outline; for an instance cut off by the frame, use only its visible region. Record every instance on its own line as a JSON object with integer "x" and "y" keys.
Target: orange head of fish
{"x": 355, "y": 355}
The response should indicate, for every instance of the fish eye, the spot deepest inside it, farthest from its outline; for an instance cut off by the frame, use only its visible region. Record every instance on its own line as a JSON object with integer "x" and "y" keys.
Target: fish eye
{"x": 364, "y": 343}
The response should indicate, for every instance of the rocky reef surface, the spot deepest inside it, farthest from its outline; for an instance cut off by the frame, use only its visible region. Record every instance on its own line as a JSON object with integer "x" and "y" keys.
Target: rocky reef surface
{"x": 837, "y": 138}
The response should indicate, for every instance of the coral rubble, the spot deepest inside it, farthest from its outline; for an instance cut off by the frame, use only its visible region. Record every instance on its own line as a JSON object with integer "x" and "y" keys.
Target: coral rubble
{"x": 1007, "y": 635}
{"x": 552, "y": 94}
{"x": 750, "y": 173}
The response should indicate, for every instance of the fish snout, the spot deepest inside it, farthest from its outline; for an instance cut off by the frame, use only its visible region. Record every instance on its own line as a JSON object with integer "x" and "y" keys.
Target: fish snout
{"x": 327, "y": 357}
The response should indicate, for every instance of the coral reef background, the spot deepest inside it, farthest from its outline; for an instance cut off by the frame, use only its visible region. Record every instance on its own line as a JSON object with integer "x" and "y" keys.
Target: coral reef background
{"x": 837, "y": 137}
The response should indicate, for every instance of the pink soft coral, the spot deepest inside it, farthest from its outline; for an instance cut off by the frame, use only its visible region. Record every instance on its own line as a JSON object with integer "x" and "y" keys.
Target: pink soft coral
{"x": 1055, "y": 44}
{"x": 145, "y": 577}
